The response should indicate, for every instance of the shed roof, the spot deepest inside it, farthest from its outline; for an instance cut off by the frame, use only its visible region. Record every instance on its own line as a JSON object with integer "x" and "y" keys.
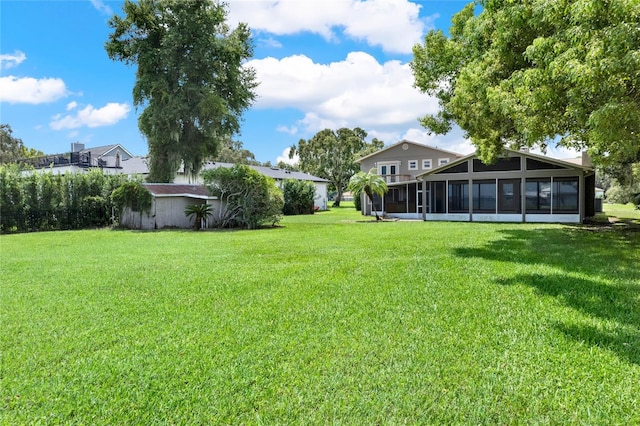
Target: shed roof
{"x": 178, "y": 190}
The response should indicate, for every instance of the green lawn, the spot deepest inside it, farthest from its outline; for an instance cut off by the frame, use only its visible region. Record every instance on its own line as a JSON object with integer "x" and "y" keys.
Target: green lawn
{"x": 622, "y": 211}
{"x": 330, "y": 318}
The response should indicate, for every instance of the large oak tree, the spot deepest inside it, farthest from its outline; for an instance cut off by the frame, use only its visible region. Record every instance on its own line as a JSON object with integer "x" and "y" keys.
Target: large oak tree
{"x": 331, "y": 155}
{"x": 190, "y": 79}
{"x": 538, "y": 72}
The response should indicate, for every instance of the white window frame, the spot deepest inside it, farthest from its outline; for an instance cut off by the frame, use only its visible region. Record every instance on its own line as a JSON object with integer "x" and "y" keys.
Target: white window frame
{"x": 443, "y": 161}
{"x": 427, "y": 164}
{"x": 412, "y": 164}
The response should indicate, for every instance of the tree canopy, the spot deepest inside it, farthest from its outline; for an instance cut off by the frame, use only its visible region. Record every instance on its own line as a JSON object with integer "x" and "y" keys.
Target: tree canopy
{"x": 190, "y": 79}
{"x": 233, "y": 152}
{"x": 12, "y": 149}
{"x": 538, "y": 72}
{"x": 331, "y": 155}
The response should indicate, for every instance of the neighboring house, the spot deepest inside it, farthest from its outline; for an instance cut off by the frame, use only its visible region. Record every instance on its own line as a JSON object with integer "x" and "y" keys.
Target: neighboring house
{"x": 139, "y": 166}
{"x": 519, "y": 187}
{"x": 109, "y": 158}
{"x": 168, "y": 203}
{"x": 400, "y": 164}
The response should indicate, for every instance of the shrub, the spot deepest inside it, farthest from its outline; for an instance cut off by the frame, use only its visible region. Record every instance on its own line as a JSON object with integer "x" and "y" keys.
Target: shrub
{"x": 249, "y": 199}
{"x": 298, "y": 197}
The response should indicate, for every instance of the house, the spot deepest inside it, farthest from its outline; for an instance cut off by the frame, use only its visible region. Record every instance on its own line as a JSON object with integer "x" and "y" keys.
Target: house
{"x": 400, "y": 164}
{"x": 519, "y": 187}
{"x": 168, "y": 202}
{"x": 109, "y": 158}
{"x": 139, "y": 166}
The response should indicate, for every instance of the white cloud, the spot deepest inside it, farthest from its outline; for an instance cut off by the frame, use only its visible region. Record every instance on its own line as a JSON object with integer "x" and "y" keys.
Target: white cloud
{"x": 284, "y": 157}
{"x": 71, "y": 105}
{"x": 89, "y": 116}
{"x": 289, "y": 130}
{"x": 270, "y": 42}
{"x": 29, "y": 90}
{"x": 358, "y": 91}
{"x": 101, "y": 7}
{"x": 8, "y": 60}
{"x": 394, "y": 25}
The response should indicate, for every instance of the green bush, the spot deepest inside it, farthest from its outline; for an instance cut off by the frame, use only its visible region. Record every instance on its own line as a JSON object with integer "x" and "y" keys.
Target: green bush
{"x": 298, "y": 197}
{"x": 42, "y": 201}
{"x": 249, "y": 199}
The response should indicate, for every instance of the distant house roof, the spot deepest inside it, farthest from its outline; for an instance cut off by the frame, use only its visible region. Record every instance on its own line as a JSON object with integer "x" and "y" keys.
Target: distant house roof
{"x": 274, "y": 172}
{"x": 422, "y": 145}
{"x": 99, "y": 151}
{"x": 135, "y": 166}
{"x": 178, "y": 190}
{"x": 139, "y": 165}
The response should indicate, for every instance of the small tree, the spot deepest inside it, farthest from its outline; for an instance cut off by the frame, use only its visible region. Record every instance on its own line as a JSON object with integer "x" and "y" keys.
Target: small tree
{"x": 200, "y": 211}
{"x": 249, "y": 199}
{"x": 298, "y": 197}
{"x": 369, "y": 183}
{"x": 132, "y": 195}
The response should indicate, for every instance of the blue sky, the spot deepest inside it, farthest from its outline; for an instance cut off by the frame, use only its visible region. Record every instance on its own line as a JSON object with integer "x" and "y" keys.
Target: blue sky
{"x": 320, "y": 63}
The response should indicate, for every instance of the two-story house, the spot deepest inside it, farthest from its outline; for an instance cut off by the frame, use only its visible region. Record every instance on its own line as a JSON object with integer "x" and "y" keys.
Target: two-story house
{"x": 400, "y": 164}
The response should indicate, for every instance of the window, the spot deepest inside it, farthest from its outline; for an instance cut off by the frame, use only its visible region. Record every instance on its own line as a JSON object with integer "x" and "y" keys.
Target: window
{"x": 413, "y": 164}
{"x": 458, "y": 168}
{"x": 538, "y": 194}
{"x": 533, "y": 164}
{"x": 458, "y": 196}
{"x": 442, "y": 161}
{"x": 484, "y": 196}
{"x": 565, "y": 195}
{"x": 504, "y": 164}
{"x": 438, "y": 197}
{"x": 509, "y": 196}
{"x": 426, "y": 164}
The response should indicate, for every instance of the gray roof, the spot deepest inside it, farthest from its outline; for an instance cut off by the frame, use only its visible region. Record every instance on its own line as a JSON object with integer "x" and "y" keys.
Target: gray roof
{"x": 175, "y": 190}
{"x": 274, "y": 172}
{"x": 138, "y": 165}
{"x": 98, "y": 151}
{"x": 422, "y": 145}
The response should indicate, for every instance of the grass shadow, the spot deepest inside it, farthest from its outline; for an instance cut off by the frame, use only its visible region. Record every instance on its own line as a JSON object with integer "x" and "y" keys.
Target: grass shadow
{"x": 594, "y": 273}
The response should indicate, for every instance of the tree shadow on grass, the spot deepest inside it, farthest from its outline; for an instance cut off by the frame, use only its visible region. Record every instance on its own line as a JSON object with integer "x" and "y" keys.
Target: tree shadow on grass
{"x": 609, "y": 295}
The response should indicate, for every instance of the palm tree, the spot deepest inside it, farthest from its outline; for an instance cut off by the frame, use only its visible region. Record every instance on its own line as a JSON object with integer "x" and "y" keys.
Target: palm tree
{"x": 200, "y": 211}
{"x": 369, "y": 183}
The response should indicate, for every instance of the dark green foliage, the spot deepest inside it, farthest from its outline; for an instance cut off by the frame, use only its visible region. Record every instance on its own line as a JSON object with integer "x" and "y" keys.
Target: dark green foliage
{"x": 532, "y": 73}
{"x": 190, "y": 80}
{"x": 132, "y": 195}
{"x": 44, "y": 201}
{"x": 249, "y": 199}
{"x": 357, "y": 201}
{"x": 298, "y": 197}
{"x": 200, "y": 212}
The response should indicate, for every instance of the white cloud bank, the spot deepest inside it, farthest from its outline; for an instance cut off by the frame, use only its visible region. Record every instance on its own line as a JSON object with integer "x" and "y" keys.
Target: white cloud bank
{"x": 358, "y": 91}
{"x": 89, "y": 116}
{"x": 394, "y": 25}
{"x": 28, "y": 90}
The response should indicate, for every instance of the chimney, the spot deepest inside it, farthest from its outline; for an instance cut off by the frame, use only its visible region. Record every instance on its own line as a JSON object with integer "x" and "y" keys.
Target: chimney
{"x": 76, "y": 146}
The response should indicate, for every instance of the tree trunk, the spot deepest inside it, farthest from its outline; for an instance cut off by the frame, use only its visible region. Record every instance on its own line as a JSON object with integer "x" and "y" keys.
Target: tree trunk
{"x": 336, "y": 202}
{"x": 373, "y": 207}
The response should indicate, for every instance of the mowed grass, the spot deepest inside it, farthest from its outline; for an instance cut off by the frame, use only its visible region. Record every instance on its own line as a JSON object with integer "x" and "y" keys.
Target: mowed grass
{"x": 330, "y": 318}
{"x": 622, "y": 211}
